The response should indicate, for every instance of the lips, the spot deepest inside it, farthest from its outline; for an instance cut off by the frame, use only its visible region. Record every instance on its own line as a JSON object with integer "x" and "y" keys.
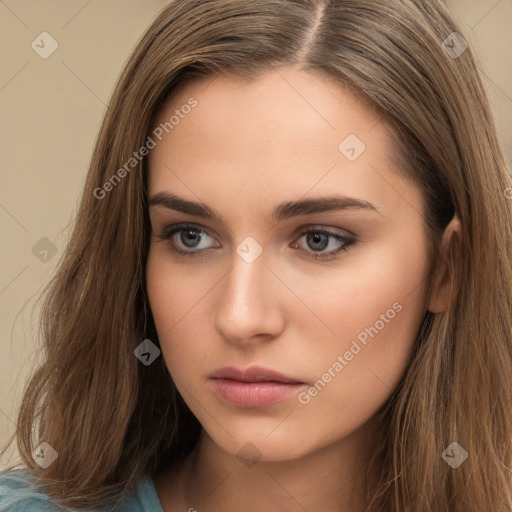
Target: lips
{"x": 252, "y": 374}
{"x": 253, "y": 387}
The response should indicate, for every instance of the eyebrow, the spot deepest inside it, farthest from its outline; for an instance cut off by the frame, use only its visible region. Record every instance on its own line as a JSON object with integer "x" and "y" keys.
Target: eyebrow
{"x": 282, "y": 212}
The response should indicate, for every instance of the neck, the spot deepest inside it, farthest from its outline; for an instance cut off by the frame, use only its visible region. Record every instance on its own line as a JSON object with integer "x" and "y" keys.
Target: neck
{"x": 333, "y": 478}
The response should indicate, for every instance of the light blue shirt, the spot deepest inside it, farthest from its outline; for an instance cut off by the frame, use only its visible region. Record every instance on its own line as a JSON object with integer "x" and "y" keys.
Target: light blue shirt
{"x": 20, "y": 493}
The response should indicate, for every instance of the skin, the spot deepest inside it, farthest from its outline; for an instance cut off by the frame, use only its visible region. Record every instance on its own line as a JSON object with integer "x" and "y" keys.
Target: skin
{"x": 243, "y": 150}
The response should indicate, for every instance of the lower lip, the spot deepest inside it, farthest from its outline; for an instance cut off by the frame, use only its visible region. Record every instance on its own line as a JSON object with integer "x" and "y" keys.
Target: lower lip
{"x": 254, "y": 394}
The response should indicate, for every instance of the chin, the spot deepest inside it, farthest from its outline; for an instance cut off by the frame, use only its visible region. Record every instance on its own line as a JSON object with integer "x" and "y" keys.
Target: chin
{"x": 268, "y": 442}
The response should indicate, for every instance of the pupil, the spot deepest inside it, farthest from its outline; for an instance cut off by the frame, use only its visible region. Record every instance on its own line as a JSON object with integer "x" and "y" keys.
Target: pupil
{"x": 317, "y": 238}
{"x": 190, "y": 237}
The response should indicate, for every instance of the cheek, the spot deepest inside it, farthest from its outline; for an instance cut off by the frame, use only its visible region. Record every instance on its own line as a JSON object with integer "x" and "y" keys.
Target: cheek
{"x": 177, "y": 299}
{"x": 371, "y": 309}
{"x": 353, "y": 380}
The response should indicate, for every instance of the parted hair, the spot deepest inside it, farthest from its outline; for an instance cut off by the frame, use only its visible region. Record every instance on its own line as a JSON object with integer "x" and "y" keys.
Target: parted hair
{"x": 112, "y": 419}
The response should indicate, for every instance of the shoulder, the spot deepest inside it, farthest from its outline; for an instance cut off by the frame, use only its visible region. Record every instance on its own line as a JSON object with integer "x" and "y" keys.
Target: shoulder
{"x": 19, "y": 492}
{"x": 145, "y": 498}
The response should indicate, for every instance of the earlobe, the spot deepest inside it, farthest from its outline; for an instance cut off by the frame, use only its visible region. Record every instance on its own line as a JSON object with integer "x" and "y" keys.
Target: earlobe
{"x": 440, "y": 296}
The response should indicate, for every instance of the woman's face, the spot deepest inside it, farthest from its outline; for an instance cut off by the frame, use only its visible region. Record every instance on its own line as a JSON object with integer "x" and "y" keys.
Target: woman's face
{"x": 304, "y": 254}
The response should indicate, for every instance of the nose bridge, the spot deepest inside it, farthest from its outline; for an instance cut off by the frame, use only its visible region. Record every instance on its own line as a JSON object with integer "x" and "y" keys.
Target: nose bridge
{"x": 248, "y": 303}
{"x": 246, "y": 284}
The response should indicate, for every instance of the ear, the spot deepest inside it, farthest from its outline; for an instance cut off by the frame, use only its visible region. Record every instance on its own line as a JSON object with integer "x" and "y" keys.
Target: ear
{"x": 439, "y": 300}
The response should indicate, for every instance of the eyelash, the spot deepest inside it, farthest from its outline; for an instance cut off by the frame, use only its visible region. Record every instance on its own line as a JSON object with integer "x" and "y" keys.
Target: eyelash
{"x": 177, "y": 228}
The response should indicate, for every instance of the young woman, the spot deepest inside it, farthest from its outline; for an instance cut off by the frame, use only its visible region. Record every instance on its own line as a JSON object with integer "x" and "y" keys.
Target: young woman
{"x": 289, "y": 284}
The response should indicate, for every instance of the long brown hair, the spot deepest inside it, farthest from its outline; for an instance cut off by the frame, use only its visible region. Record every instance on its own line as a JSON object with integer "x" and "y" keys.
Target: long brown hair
{"x": 112, "y": 419}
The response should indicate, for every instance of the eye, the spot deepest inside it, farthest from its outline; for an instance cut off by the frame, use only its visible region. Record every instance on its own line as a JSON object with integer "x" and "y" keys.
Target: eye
{"x": 318, "y": 240}
{"x": 187, "y": 239}
{"x": 191, "y": 240}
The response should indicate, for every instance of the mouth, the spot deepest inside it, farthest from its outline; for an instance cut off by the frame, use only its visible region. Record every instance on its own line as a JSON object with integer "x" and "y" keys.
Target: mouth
{"x": 255, "y": 386}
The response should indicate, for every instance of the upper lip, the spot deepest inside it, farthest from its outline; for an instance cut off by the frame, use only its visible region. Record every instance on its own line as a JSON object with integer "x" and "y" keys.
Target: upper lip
{"x": 251, "y": 374}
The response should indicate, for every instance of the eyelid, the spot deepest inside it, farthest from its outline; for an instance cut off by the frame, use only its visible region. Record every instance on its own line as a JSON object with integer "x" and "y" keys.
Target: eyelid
{"x": 173, "y": 228}
{"x": 303, "y": 229}
{"x": 326, "y": 229}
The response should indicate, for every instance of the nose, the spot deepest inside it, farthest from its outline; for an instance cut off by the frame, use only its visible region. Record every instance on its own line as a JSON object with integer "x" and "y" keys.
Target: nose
{"x": 249, "y": 306}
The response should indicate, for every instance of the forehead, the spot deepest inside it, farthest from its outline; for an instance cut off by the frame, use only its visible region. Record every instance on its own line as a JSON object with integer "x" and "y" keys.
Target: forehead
{"x": 287, "y": 97}
{"x": 286, "y": 133}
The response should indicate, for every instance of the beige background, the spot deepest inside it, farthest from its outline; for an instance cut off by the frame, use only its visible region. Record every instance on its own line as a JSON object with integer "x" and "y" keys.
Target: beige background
{"x": 50, "y": 111}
